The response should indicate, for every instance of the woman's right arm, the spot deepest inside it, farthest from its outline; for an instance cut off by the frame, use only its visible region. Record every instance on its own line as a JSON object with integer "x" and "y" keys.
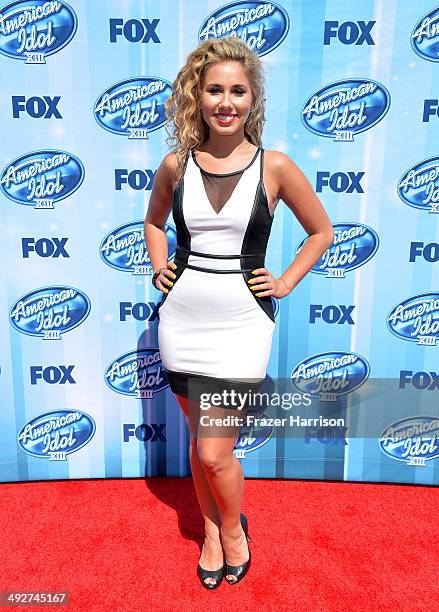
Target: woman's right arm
{"x": 160, "y": 204}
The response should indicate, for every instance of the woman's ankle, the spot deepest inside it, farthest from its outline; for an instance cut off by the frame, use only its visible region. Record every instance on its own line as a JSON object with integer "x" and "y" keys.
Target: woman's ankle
{"x": 234, "y": 532}
{"x": 212, "y": 535}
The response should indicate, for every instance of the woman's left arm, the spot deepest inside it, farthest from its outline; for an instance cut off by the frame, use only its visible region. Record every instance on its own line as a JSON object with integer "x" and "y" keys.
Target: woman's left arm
{"x": 296, "y": 191}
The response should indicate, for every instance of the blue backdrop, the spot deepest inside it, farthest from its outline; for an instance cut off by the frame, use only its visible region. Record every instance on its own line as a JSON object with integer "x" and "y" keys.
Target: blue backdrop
{"x": 352, "y": 97}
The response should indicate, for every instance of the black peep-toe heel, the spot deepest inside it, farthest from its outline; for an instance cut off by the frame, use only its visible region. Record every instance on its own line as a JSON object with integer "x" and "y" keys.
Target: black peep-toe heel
{"x": 215, "y": 574}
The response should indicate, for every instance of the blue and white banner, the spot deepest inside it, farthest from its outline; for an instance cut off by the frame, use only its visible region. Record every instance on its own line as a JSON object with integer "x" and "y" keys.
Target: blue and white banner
{"x": 352, "y": 96}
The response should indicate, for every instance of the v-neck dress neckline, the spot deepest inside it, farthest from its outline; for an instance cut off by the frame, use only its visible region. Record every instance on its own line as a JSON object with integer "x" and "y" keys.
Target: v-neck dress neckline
{"x": 216, "y": 190}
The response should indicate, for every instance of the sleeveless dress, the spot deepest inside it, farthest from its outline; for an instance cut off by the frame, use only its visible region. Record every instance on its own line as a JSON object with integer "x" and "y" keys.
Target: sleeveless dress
{"x": 213, "y": 330}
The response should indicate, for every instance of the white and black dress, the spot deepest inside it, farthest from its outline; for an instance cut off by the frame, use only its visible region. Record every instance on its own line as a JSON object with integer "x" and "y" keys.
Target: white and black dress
{"x": 213, "y": 329}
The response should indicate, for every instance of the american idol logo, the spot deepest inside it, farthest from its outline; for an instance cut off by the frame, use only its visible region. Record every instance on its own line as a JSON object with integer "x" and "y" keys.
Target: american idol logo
{"x": 262, "y": 25}
{"x": 56, "y": 434}
{"x": 124, "y": 248}
{"x": 354, "y": 244}
{"x": 133, "y": 107}
{"x": 252, "y": 436}
{"x": 416, "y": 319}
{"x": 330, "y": 374}
{"x": 425, "y": 37}
{"x": 412, "y": 440}
{"x": 33, "y": 29}
{"x": 49, "y": 312}
{"x": 139, "y": 374}
{"x": 345, "y": 108}
{"x": 419, "y": 186}
{"x": 41, "y": 178}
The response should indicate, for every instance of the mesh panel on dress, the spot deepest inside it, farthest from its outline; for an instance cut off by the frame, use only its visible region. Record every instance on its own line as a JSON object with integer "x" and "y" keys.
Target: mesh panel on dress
{"x": 219, "y": 188}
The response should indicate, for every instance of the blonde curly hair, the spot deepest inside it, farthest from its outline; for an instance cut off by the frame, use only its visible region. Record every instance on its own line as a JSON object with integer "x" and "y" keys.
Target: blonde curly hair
{"x": 189, "y": 129}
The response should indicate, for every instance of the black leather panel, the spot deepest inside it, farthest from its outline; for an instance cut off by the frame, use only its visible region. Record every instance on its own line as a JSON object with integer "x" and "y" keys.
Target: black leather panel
{"x": 256, "y": 238}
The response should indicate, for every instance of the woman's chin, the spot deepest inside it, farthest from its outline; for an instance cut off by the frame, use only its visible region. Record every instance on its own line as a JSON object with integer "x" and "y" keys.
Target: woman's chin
{"x": 225, "y": 129}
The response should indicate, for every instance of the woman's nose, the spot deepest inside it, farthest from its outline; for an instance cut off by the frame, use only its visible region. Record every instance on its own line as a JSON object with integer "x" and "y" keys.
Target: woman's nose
{"x": 226, "y": 100}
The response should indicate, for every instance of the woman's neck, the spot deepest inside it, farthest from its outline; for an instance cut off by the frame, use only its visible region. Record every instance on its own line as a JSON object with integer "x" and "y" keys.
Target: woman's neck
{"x": 224, "y": 146}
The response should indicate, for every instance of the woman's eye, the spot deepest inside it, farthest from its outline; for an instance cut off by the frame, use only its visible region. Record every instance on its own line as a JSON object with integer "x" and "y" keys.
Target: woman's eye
{"x": 240, "y": 92}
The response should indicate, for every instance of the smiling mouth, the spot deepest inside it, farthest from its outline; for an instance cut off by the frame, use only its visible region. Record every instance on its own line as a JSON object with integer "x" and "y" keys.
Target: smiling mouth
{"x": 224, "y": 118}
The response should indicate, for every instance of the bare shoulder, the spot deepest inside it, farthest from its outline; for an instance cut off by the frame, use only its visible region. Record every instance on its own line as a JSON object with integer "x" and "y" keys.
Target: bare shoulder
{"x": 276, "y": 166}
{"x": 277, "y": 162}
{"x": 163, "y": 185}
{"x": 170, "y": 160}
{"x": 285, "y": 172}
{"x": 168, "y": 169}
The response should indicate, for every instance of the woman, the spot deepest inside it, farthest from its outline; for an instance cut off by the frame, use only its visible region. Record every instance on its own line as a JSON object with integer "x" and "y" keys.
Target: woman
{"x": 216, "y": 317}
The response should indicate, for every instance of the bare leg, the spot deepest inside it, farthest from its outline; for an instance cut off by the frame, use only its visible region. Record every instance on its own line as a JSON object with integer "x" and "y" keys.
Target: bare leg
{"x": 225, "y": 476}
{"x": 212, "y": 554}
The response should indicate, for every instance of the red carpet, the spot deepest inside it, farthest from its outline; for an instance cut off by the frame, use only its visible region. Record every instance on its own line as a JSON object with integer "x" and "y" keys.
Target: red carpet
{"x": 134, "y": 544}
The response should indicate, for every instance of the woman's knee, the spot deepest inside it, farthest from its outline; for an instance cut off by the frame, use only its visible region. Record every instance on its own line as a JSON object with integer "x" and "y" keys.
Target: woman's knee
{"x": 213, "y": 458}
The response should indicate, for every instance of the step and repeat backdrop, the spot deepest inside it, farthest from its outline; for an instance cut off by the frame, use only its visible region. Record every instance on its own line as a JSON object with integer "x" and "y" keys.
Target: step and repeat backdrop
{"x": 352, "y": 96}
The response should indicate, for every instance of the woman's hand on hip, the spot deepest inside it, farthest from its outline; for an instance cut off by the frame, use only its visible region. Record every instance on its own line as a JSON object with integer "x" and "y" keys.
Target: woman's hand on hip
{"x": 165, "y": 278}
{"x": 263, "y": 283}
